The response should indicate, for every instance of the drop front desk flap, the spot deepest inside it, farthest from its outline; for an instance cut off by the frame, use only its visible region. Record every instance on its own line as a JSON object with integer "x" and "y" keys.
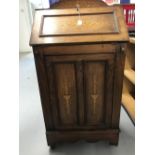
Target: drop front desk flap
{"x": 80, "y": 72}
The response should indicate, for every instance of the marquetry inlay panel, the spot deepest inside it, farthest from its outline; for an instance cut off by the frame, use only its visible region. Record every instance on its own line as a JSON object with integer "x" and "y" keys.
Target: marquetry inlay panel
{"x": 94, "y": 95}
{"x": 66, "y": 92}
{"x": 67, "y": 97}
{"x": 94, "y": 83}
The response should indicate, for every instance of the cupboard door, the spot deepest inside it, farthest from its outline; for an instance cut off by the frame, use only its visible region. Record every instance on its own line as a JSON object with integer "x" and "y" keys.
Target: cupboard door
{"x": 66, "y": 91}
{"x": 81, "y": 90}
{"x": 94, "y": 88}
{"x": 98, "y": 83}
{"x": 62, "y": 81}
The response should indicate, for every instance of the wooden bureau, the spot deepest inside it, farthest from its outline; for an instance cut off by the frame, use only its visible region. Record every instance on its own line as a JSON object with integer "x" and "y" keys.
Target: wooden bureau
{"x": 80, "y": 72}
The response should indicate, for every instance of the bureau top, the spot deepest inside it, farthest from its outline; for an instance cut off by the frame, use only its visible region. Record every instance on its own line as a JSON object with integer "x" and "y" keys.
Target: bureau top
{"x": 79, "y": 26}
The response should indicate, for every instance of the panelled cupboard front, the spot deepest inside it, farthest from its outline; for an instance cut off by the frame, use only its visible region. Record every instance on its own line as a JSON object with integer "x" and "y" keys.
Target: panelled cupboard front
{"x": 80, "y": 85}
{"x": 77, "y": 85}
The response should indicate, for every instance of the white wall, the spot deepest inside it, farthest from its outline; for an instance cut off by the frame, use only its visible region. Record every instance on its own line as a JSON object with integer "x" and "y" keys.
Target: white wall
{"x": 132, "y": 1}
{"x": 26, "y": 19}
{"x": 24, "y": 27}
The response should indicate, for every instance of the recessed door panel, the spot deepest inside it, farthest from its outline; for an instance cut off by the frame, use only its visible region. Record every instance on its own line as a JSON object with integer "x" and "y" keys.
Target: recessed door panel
{"x": 94, "y": 89}
{"x": 81, "y": 90}
{"x": 66, "y": 92}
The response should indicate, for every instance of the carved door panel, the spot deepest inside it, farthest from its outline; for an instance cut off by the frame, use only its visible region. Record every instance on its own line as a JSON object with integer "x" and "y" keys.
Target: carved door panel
{"x": 80, "y": 90}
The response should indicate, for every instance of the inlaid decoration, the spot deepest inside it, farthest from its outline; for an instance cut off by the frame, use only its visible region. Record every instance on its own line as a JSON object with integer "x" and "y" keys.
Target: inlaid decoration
{"x": 67, "y": 98}
{"x": 66, "y": 92}
{"x": 94, "y": 96}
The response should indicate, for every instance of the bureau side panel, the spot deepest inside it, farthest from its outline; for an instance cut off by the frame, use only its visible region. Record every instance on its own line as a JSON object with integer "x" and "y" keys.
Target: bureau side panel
{"x": 118, "y": 85}
{"x": 43, "y": 88}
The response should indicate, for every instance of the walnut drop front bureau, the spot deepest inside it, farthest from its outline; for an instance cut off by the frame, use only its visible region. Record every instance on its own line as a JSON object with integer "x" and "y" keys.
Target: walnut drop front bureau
{"x": 79, "y": 63}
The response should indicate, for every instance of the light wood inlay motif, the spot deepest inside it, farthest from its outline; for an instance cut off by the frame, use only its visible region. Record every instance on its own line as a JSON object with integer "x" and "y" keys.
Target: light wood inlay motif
{"x": 66, "y": 92}
{"x": 67, "y": 98}
{"x": 94, "y": 96}
{"x": 94, "y": 78}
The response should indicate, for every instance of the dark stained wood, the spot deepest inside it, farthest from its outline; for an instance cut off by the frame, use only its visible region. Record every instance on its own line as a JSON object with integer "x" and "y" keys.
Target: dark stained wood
{"x": 87, "y": 49}
{"x": 94, "y": 85}
{"x": 80, "y": 76}
{"x": 59, "y": 27}
{"x": 109, "y": 79}
{"x": 66, "y": 91}
{"x": 65, "y": 136}
{"x": 66, "y": 4}
{"x": 44, "y": 88}
{"x": 118, "y": 85}
{"x": 97, "y": 22}
{"x": 52, "y": 94}
{"x": 80, "y": 91}
{"x": 88, "y": 57}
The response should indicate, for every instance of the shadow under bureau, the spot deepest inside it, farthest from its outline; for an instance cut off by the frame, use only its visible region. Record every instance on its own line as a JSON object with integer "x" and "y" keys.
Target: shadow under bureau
{"x": 80, "y": 72}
